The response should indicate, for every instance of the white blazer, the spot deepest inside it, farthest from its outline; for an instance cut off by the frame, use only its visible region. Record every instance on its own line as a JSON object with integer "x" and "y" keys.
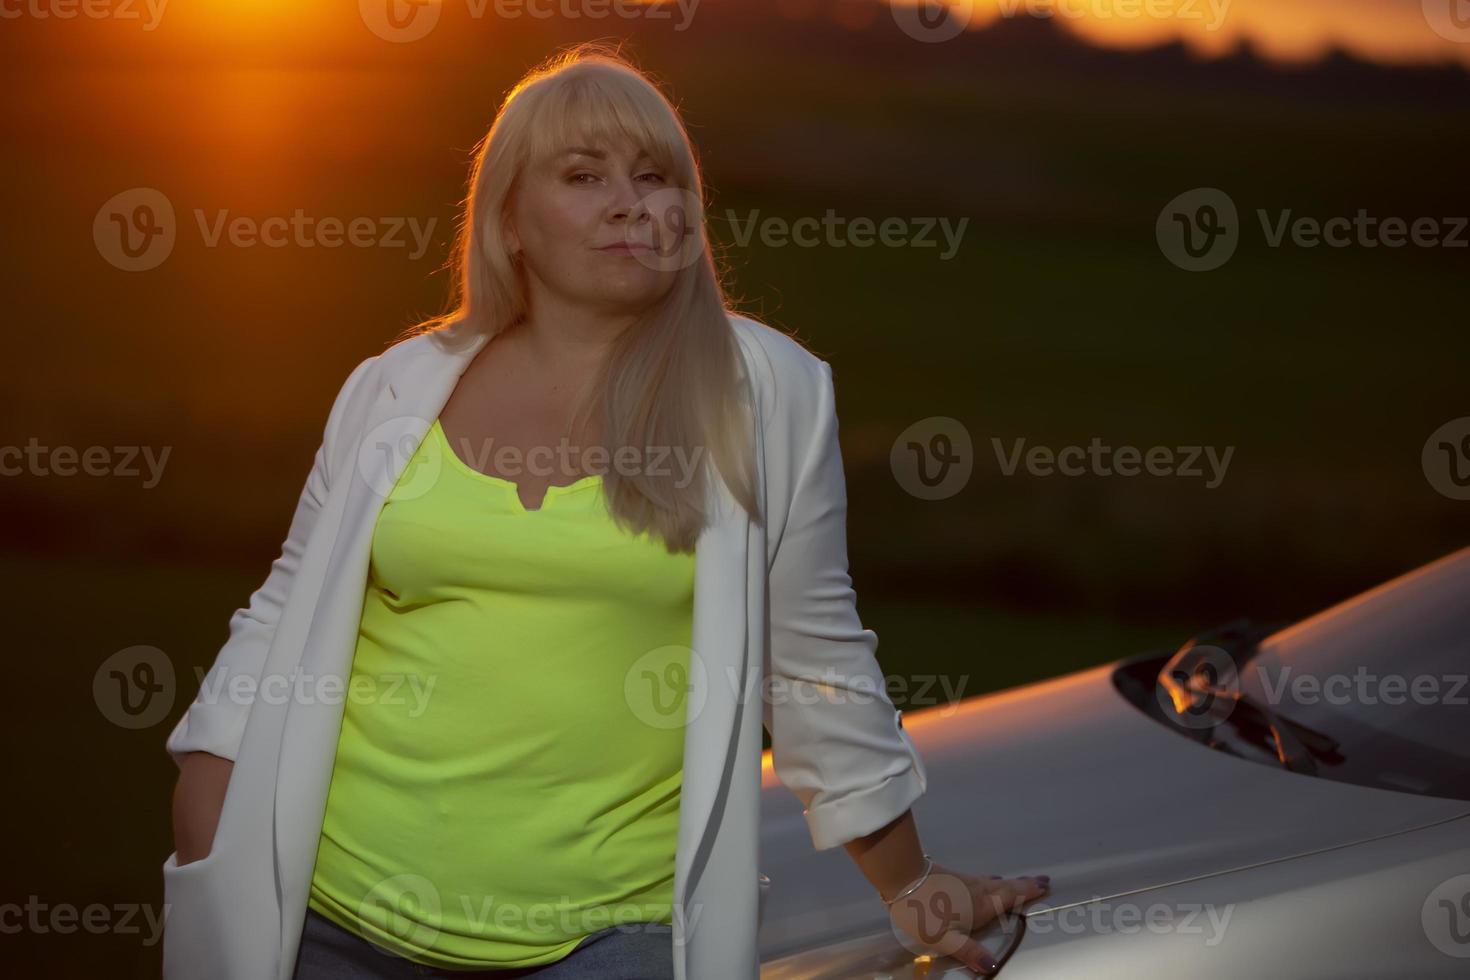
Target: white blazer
{"x": 773, "y": 601}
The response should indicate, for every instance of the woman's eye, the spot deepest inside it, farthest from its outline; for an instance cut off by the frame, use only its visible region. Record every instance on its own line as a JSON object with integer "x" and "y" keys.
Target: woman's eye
{"x": 577, "y": 178}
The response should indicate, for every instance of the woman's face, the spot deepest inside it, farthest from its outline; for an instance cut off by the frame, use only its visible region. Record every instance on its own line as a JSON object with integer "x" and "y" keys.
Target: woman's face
{"x": 585, "y": 232}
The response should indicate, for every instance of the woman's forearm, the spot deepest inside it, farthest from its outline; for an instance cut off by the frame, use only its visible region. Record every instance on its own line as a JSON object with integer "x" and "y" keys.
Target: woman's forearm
{"x": 890, "y": 857}
{"x": 199, "y": 796}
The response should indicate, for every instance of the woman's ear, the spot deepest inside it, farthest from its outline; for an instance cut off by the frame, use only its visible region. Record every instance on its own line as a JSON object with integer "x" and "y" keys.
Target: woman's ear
{"x": 508, "y": 232}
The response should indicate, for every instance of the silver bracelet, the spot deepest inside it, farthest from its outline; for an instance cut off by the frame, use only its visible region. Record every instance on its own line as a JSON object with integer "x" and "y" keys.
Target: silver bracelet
{"x": 928, "y": 867}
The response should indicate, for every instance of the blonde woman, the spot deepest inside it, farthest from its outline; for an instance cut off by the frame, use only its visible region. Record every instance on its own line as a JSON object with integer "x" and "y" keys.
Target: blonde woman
{"x": 554, "y": 551}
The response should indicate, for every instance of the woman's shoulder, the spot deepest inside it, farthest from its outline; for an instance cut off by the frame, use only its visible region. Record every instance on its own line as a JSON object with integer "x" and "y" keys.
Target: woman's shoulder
{"x": 777, "y": 344}
{"x": 782, "y": 360}
{"x": 387, "y": 367}
{"x": 400, "y": 355}
{"x": 405, "y": 350}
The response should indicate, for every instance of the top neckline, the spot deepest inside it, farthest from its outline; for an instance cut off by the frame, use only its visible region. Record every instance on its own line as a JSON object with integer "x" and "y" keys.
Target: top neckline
{"x": 552, "y": 490}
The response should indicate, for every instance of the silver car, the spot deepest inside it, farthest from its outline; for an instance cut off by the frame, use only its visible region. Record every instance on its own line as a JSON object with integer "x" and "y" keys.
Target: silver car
{"x": 1279, "y": 803}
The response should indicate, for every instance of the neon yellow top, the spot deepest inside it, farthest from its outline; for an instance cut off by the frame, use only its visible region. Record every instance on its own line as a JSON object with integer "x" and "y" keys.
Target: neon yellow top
{"x": 509, "y": 766}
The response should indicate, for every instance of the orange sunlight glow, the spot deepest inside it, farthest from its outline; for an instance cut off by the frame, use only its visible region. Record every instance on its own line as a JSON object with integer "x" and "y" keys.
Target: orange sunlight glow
{"x": 1281, "y": 30}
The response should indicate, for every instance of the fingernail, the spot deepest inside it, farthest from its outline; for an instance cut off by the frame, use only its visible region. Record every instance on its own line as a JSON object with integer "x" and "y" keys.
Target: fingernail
{"x": 987, "y": 963}
{"x": 1044, "y": 879}
{"x": 995, "y": 876}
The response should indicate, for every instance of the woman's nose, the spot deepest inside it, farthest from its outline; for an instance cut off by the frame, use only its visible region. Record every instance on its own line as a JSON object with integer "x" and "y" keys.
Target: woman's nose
{"x": 626, "y": 197}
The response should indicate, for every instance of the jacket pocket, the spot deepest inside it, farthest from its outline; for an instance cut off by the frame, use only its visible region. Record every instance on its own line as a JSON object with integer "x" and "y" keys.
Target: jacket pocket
{"x": 220, "y": 919}
{"x": 192, "y": 940}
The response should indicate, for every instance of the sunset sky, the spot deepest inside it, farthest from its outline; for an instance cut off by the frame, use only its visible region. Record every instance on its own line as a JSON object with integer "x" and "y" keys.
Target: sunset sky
{"x": 1284, "y": 30}
{"x": 1386, "y": 31}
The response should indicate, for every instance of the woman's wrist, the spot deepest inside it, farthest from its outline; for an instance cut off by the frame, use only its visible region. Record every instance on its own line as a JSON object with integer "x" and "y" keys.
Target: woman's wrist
{"x": 891, "y": 858}
{"x": 199, "y": 796}
{"x": 913, "y": 886}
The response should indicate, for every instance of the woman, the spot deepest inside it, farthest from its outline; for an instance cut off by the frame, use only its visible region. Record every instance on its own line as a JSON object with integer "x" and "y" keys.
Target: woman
{"x": 573, "y": 791}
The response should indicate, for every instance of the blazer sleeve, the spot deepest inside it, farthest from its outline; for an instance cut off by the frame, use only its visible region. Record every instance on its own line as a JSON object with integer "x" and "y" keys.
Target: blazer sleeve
{"x": 215, "y": 721}
{"x": 837, "y": 741}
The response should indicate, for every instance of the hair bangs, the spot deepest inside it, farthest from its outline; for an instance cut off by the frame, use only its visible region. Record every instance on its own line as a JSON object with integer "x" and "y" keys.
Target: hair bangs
{"x": 591, "y": 105}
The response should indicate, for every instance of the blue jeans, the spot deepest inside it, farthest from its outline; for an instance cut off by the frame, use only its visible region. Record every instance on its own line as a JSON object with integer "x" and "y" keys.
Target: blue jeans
{"x": 330, "y": 952}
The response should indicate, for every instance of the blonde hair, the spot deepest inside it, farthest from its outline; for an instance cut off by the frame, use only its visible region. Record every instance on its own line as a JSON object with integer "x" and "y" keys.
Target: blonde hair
{"x": 675, "y": 379}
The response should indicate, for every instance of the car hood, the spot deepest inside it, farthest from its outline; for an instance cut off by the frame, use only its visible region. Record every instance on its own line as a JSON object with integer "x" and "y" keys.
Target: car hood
{"x": 1066, "y": 778}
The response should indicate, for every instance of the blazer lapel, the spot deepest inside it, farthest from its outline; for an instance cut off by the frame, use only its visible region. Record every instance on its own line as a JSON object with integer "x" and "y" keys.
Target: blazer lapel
{"x": 717, "y": 676}
{"x": 411, "y": 398}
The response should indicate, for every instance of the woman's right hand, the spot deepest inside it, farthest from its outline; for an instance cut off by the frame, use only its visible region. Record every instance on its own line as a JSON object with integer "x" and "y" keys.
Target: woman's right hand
{"x": 939, "y": 916}
{"x": 199, "y": 796}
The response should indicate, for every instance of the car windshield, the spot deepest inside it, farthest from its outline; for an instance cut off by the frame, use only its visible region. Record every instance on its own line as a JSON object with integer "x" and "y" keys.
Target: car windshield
{"x": 1385, "y": 674}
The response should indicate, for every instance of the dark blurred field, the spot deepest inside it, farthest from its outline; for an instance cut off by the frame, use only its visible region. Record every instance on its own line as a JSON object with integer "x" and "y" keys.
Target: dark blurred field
{"x": 1059, "y": 320}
